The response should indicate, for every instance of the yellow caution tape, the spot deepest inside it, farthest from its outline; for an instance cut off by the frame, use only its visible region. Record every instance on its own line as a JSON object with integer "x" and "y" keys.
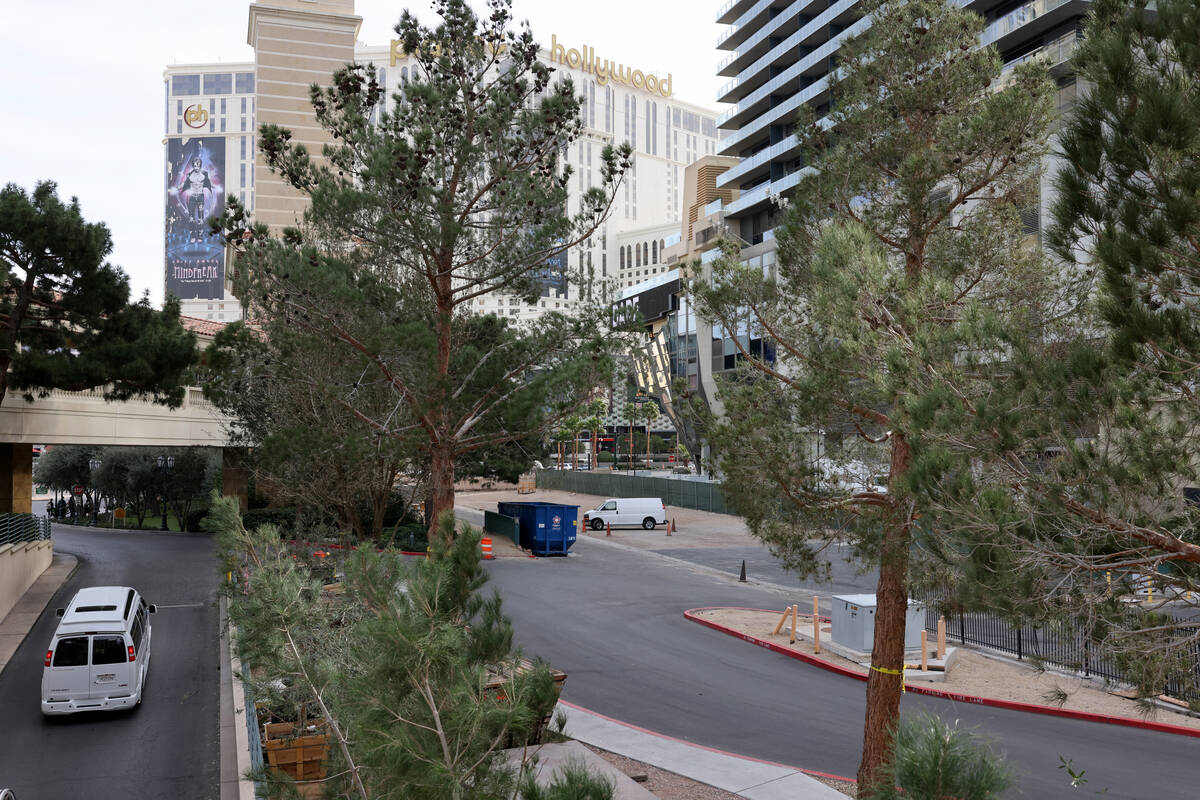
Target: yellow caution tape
{"x": 899, "y": 672}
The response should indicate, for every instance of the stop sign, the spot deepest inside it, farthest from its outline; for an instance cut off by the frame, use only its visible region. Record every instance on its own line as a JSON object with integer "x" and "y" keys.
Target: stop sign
{"x": 77, "y": 490}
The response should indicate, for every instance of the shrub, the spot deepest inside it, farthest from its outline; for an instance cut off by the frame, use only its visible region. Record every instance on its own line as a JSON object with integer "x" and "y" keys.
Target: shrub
{"x": 283, "y": 518}
{"x": 195, "y": 518}
{"x": 408, "y": 536}
{"x": 931, "y": 760}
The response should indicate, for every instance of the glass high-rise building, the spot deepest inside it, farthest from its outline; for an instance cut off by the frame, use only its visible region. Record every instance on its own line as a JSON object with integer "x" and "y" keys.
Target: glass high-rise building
{"x": 780, "y": 56}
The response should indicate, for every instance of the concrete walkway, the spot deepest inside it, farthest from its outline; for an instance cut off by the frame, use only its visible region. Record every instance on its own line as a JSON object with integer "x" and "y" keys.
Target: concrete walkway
{"x": 25, "y": 613}
{"x": 750, "y": 778}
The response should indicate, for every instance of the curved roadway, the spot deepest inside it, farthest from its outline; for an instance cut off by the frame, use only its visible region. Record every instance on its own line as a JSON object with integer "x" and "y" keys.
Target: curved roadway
{"x": 613, "y": 620}
{"x": 168, "y": 747}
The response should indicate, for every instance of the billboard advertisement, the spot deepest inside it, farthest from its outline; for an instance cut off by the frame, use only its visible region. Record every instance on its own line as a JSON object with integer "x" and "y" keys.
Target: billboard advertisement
{"x": 553, "y": 276}
{"x": 195, "y": 192}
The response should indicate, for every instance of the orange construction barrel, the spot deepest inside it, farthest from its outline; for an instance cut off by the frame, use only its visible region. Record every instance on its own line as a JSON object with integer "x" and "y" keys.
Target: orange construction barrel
{"x": 485, "y": 544}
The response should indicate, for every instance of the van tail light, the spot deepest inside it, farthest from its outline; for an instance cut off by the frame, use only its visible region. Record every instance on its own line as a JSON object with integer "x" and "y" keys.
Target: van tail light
{"x": 49, "y": 655}
{"x": 132, "y": 657}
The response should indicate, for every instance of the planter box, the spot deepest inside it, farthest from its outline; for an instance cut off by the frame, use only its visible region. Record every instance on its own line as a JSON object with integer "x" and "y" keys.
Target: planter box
{"x": 495, "y": 688}
{"x": 299, "y": 753}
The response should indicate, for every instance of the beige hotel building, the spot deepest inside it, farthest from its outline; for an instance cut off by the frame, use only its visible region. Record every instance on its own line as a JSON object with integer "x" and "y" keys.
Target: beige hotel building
{"x": 214, "y": 109}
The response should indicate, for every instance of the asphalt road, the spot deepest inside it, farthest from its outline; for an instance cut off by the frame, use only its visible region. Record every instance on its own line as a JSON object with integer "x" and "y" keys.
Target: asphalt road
{"x": 167, "y": 748}
{"x": 762, "y": 566}
{"x": 613, "y": 620}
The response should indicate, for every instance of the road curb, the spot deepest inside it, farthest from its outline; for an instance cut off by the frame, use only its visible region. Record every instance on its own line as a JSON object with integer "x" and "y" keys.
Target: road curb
{"x": 233, "y": 716}
{"x": 40, "y": 584}
{"x": 1012, "y": 705}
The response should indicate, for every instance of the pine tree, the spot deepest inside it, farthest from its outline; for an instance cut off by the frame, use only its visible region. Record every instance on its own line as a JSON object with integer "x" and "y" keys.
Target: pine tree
{"x": 457, "y": 192}
{"x": 399, "y": 664}
{"x": 65, "y": 317}
{"x": 282, "y": 385}
{"x": 904, "y": 284}
{"x": 1096, "y": 511}
{"x": 933, "y": 761}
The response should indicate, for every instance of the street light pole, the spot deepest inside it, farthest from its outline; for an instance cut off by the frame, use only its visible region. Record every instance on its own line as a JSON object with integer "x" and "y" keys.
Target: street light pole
{"x": 94, "y": 464}
{"x": 165, "y": 464}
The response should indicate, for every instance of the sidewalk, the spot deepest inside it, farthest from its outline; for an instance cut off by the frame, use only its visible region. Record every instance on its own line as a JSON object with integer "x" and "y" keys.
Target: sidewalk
{"x": 25, "y": 613}
{"x": 747, "y": 777}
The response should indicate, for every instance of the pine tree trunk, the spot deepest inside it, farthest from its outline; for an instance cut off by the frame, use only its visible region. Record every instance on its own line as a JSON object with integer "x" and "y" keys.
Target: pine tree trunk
{"x": 353, "y": 519}
{"x": 441, "y": 476}
{"x": 891, "y": 606}
{"x": 441, "y": 481}
{"x": 378, "y": 508}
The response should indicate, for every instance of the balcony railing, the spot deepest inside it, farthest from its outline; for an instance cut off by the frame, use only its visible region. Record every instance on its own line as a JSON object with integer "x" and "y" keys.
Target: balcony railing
{"x": 766, "y": 190}
{"x": 757, "y": 160}
{"x": 17, "y": 528}
{"x": 757, "y": 8}
{"x": 782, "y": 110}
{"x": 815, "y": 24}
{"x": 725, "y": 8}
{"x": 766, "y": 30}
{"x": 1019, "y": 17}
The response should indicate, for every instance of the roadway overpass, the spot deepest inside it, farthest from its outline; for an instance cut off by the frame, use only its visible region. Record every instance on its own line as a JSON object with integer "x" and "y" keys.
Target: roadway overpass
{"x": 87, "y": 418}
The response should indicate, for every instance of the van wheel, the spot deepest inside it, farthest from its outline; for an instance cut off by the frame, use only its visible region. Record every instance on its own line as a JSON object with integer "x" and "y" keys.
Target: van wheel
{"x": 597, "y": 524}
{"x": 648, "y": 523}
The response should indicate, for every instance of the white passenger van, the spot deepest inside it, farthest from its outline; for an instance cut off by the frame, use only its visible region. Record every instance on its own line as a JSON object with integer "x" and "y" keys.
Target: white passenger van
{"x": 644, "y": 511}
{"x": 100, "y": 654}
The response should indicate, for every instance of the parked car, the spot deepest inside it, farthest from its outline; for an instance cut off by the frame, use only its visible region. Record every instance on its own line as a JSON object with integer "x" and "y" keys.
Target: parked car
{"x": 99, "y": 656}
{"x": 644, "y": 511}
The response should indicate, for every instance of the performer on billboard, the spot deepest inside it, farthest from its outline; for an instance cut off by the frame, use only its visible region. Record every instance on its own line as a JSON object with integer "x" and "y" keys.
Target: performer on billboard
{"x": 196, "y": 193}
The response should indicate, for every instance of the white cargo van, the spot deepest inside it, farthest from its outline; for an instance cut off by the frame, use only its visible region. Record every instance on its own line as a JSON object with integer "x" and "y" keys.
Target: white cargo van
{"x": 644, "y": 511}
{"x": 100, "y": 654}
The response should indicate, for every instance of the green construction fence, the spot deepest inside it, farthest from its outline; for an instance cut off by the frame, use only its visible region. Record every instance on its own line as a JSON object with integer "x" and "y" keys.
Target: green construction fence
{"x": 500, "y": 525}
{"x": 700, "y": 495}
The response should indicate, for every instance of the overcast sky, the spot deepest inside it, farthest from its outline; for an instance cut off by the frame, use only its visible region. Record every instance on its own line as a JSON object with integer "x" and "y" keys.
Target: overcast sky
{"x": 81, "y": 87}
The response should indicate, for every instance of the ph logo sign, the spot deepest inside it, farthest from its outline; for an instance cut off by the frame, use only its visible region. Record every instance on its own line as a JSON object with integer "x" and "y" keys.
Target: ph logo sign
{"x": 196, "y": 116}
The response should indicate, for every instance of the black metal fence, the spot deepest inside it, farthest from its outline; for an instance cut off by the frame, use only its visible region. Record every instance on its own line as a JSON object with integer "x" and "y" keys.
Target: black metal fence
{"x": 1058, "y": 645}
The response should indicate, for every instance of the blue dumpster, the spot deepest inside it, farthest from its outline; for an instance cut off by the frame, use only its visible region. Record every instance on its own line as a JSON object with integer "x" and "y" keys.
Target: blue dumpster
{"x": 547, "y": 529}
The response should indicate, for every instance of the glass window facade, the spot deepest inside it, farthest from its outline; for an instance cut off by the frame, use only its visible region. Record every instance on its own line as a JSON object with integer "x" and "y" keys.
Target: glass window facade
{"x": 244, "y": 81}
{"x": 680, "y": 334}
{"x": 218, "y": 83}
{"x": 185, "y": 85}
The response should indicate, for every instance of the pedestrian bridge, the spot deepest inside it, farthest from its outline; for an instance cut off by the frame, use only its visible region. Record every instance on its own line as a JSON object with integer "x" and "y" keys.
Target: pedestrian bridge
{"x": 86, "y": 418}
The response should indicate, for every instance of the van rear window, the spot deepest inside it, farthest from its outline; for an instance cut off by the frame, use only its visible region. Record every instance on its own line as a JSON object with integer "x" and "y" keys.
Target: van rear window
{"x": 85, "y": 609}
{"x": 72, "y": 652}
{"x": 109, "y": 650}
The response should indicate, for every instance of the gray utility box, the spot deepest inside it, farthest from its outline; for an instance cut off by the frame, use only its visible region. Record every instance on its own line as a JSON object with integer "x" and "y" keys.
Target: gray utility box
{"x": 854, "y": 622}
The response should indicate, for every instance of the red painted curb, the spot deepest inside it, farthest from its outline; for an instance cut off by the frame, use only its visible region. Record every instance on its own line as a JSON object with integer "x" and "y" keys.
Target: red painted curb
{"x": 716, "y": 750}
{"x": 1012, "y": 705}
